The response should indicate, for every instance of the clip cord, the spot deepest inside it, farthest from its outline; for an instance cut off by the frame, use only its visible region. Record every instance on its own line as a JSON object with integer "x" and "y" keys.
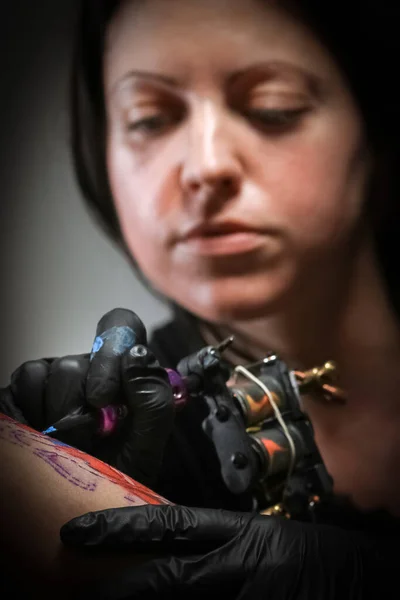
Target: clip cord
{"x": 278, "y": 415}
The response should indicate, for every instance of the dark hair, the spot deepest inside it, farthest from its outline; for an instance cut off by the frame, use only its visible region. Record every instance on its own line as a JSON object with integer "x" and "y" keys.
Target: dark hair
{"x": 88, "y": 112}
{"x": 362, "y": 36}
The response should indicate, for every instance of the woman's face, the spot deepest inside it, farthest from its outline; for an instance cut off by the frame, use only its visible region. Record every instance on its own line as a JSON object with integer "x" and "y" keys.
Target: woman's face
{"x": 236, "y": 154}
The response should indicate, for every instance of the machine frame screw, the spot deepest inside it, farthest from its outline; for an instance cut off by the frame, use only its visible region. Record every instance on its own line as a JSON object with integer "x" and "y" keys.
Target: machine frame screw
{"x": 139, "y": 351}
{"x": 222, "y": 413}
{"x": 239, "y": 460}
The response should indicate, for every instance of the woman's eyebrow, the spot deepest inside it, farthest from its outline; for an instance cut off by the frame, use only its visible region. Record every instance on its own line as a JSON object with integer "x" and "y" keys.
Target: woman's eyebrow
{"x": 268, "y": 68}
{"x": 271, "y": 69}
{"x": 137, "y": 73}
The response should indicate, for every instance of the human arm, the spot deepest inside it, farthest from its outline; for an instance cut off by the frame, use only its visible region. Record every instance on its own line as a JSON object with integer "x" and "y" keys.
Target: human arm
{"x": 43, "y": 484}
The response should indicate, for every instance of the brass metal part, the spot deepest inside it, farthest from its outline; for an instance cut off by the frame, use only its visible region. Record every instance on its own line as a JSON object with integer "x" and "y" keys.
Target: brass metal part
{"x": 320, "y": 379}
{"x": 253, "y": 429}
{"x": 276, "y": 511}
{"x": 313, "y": 500}
{"x": 325, "y": 374}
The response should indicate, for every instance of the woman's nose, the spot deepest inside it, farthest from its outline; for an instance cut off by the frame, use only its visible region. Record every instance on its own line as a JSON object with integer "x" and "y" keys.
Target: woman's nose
{"x": 211, "y": 163}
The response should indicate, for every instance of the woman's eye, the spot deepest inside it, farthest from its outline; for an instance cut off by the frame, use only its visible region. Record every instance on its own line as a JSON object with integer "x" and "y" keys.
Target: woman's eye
{"x": 272, "y": 117}
{"x": 150, "y": 125}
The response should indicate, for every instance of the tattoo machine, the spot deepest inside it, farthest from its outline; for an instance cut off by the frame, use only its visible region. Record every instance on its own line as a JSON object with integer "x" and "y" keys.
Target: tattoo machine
{"x": 257, "y": 423}
{"x": 259, "y": 428}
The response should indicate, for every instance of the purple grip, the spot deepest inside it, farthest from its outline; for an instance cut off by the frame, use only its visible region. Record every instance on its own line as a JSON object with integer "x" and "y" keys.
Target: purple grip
{"x": 179, "y": 388}
{"x": 109, "y": 417}
{"x": 111, "y": 414}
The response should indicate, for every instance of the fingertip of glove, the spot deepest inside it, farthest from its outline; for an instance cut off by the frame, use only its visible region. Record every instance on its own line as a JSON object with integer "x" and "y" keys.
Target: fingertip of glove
{"x": 75, "y": 531}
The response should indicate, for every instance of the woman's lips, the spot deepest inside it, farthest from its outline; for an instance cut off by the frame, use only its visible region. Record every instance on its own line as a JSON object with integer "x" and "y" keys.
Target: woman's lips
{"x": 223, "y": 243}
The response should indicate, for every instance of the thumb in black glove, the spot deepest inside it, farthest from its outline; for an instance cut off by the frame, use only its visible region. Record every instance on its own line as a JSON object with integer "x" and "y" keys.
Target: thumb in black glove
{"x": 244, "y": 556}
{"x": 124, "y": 371}
{"x": 137, "y": 448}
{"x": 117, "y": 332}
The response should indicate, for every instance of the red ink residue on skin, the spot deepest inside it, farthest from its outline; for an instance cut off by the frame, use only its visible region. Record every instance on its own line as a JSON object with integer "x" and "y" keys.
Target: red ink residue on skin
{"x": 111, "y": 474}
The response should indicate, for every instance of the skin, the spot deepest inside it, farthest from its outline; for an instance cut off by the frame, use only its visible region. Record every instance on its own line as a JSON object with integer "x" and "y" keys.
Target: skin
{"x": 195, "y": 150}
{"x": 63, "y": 483}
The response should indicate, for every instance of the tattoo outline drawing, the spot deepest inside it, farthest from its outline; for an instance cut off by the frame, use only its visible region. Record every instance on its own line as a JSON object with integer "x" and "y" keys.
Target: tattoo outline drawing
{"x": 90, "y": 469}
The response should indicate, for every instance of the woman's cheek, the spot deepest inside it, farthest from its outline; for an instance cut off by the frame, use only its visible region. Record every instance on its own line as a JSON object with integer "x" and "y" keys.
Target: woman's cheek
{"x": 140, "y": 224}
{"x": 137, "y": 228}
{"x": 144, "y": 224}
{"x": 317, "y": 195}
{"x": 129, "y": 186}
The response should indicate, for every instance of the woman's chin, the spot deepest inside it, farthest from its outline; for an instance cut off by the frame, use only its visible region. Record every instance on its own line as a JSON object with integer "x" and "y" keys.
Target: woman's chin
{"x": 228, "y": 303}
{"x": 229, "y": 313}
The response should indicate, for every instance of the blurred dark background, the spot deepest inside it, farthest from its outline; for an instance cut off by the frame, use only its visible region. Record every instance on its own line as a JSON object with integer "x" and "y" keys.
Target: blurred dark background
{"x": 52, "y": 289}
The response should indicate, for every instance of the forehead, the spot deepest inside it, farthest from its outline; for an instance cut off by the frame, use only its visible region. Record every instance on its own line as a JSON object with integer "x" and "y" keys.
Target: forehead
{"x": 187, "y": 37}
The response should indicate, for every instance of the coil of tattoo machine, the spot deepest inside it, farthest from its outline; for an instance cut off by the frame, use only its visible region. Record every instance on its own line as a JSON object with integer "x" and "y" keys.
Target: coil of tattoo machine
{"x": 259, "y": 428}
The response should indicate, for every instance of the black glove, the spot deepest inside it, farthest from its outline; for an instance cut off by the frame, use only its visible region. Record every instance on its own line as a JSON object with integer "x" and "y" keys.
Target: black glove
{"x": 137, "y": 448}
{"x": 241, "y": 556}
{"x": 43, "y": 391}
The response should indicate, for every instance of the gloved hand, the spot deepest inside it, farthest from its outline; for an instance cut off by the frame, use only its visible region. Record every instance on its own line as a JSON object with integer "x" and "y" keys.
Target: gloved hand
{"x": 240, "y": 556}
{"x": 43, "y": 391}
